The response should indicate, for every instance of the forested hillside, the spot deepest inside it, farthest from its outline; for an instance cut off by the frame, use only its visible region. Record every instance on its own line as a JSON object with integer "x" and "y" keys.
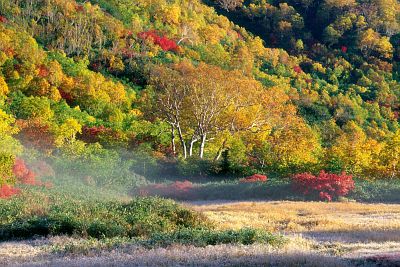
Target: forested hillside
{"x": 213, "y": 87}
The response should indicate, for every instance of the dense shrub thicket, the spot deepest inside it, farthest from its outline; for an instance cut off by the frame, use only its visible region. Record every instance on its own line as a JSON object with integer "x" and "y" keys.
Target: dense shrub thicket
{"x": 327, "y": 186}
{"x": 31, "y": 215}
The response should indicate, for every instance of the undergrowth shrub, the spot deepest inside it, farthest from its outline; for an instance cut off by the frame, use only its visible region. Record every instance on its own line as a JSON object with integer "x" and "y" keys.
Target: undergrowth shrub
{"x": 23, "y": 173}
{"x": 98, "y": 166}
{"x": 7, "y": 178}
{"x": 165, "y": 43}
{"x": 206, "y": 237}
{"x": 199, "y": 237}
{"x": 7, "y": 191}
{"x": 27, "y": 176}
{"x": 42, "y": 214}
{"x": 326, "y": 186}
{"x": 193, "y": 167}
{"x": 15, "y": 172}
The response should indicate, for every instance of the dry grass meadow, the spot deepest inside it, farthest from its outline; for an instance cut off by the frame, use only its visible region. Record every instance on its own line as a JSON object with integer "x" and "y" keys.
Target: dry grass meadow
{"x": 306, "y": 217}
{"x": 320, "y": 234}
{"x": 349, "y": 230}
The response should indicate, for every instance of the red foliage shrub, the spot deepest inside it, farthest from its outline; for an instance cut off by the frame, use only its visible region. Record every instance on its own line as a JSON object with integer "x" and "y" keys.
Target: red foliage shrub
{"x": 7, "y": 191}
{"x": 326, "y": 185}
{"x": 297, "y": 69}
{"x": 92, "y": 134}
{"x": 239, "y": 36}
{"x": 95, "y": 130}
{"x": 254, "y": 178}
{"x": 19, "y": 168}
{"x": 35, "y": 134}
{"x": 396, "y": 115}
{"x": 79, "y": 8}
{"x": 165, "y": 43}
{"x": 3, "y": 19}
{"x": 66, "y": 96}
{"x": 43, "y": 71}
{"x": 129, "y": 33}
{"x": 27, "y": 177}
{"x": 344, "y": 49}
{"x": 176, "y": 190}
{"x": 23, "y": 174}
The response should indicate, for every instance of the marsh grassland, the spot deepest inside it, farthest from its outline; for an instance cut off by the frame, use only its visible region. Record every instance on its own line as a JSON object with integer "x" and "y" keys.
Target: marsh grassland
{"x": 315, "y": 233}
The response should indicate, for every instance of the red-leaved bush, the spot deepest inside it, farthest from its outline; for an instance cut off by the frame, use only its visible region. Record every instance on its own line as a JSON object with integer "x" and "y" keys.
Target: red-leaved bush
{"x": 23, "y": 174}
{"x": 3, "y": 19}
{"x": 165, "y": 43}
{"x": 326, "y": 185}
{"x": 176, "y": 190}
{"x": 66, "y": 96}
{"x": 43, "y": 71}
{"x": 297, "y": 69}
{"x": 7, "y": 191}
{"x": 91, "y": 134}
{"x": 254, "y": 178}
{"x": 26, "y": 176}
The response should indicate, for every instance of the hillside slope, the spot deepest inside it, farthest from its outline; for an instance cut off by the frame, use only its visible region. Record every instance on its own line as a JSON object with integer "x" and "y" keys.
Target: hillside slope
{"x": 173, "y": 83}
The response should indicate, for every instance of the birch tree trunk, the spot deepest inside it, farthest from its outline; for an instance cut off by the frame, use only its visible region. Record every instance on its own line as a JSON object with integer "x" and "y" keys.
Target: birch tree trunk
{"x": 202, "y": 145}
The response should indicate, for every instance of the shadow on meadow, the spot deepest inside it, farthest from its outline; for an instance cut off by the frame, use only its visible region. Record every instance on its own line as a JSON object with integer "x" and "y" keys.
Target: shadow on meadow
{"x": 355, "y": 236}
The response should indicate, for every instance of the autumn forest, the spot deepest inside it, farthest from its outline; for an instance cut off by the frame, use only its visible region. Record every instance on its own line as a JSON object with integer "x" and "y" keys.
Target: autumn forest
{"x": 118, "y": 93}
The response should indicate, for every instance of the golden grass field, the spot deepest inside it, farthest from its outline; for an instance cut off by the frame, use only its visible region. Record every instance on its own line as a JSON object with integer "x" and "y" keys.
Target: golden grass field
{"x": 346, "y": 230}
{"x": 300, "y": 217}
{"x": 320, "y": 234}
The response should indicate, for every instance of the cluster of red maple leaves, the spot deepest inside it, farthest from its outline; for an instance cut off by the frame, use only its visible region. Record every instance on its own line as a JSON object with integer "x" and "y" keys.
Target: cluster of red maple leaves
{"x": 326, "y": 185}
{"x": 3, "y": 19}
{"x": 26, "y": 176}
{"x": 165, "y": 43}
{"x": 91, "y": 134}
{"x": 7, "y": 191}
{"x": 43, "y": 71}
{"x": 297, "y": 69}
